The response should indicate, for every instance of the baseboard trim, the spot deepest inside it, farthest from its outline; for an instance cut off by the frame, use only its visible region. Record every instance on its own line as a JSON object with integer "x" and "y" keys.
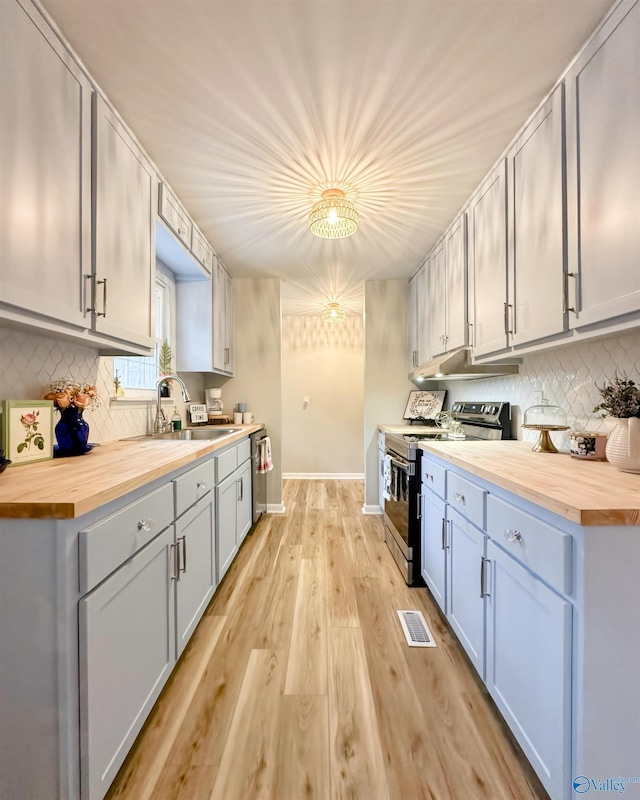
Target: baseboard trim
{"x": 320, "y": 476}
{"x": 276, "y": 508}
{"x": 375, "y": 509}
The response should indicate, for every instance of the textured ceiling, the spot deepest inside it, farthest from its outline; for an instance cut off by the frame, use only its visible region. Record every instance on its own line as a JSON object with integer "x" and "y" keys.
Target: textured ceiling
{"x": 251, "y": 108}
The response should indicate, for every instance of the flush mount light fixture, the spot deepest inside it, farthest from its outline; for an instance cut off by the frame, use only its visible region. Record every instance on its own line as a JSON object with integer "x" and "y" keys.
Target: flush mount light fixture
{"x": 333, "y": 217}
{"x": 333, "y": 313}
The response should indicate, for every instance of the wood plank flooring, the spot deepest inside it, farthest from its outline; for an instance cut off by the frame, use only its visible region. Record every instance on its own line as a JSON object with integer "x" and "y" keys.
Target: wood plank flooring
{"x": 298, "y": 682}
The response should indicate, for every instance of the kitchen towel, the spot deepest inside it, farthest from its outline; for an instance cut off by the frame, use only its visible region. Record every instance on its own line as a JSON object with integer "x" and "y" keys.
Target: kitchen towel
{"x": 265, "y": 463}
{"x": 386, "y": 477}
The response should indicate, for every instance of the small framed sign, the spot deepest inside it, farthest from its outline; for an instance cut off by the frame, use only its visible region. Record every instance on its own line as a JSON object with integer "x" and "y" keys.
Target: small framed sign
{"x": 27, "y": 430}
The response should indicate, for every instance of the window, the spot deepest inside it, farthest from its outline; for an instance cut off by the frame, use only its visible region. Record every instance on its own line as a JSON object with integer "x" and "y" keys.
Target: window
{"x": 138, "y": 374}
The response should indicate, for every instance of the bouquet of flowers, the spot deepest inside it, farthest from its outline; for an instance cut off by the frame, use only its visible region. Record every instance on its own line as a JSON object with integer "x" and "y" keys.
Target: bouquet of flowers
{"x": 66, "y": 393}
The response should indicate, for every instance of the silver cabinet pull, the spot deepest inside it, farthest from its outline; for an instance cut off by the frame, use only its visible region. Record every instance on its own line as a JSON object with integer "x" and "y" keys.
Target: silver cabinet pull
{"x": 565, "y": 293}
{"x": 176, "y": 561}
{"x": 484, "y": 565}
{"x": 512, "y": 535}
{"x": 459, "y": 497}
{"x": 145, "y": 525}
{"x": 507, "y": 324}
{"x": 89, "y": 304}
{"x": 241, "y": 489}
{"x": 444, "y": 534}
{"x": 201, "y": 485}
{"x": 183, "y": 568}
{"x": 103, "y": 283}
{"x": 419, "y": 506}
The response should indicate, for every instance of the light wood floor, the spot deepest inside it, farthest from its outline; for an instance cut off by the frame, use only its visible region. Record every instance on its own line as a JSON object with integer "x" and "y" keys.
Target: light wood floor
{"x": 298, "y": 682}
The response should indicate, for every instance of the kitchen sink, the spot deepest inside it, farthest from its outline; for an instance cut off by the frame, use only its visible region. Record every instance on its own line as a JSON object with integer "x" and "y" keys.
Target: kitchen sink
{"x": 187, "y": 434}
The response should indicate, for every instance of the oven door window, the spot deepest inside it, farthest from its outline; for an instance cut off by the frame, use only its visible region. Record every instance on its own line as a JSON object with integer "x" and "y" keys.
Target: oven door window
{"x": 397, "y": 508}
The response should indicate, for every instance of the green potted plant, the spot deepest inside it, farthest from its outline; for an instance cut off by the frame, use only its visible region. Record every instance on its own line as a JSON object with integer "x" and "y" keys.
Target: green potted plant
{"x": 165, "y": 359}
{"x": 621, "y": 400}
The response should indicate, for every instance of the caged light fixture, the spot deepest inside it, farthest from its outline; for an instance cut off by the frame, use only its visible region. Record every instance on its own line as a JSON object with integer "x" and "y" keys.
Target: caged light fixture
{"x": 333, "y": 217}
{"x": 333, "y": 313}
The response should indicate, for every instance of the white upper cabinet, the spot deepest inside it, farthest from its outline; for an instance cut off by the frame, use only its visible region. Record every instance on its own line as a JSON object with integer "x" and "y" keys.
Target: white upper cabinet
{"x": 223, "y": 348}
{"x": 456, "y": 251}
{"x": 436, "y": 299}
{"x": 487, "y": 213}
{"x": 45, "y": 171}
{"x": 603, "y": 171}
{"x": 419, "y": 351}
{"x": 175, "y": 215}
{"x": 447, "y": 295}
{"x": 536, "y": 226}
{"x": 124, "y": 246}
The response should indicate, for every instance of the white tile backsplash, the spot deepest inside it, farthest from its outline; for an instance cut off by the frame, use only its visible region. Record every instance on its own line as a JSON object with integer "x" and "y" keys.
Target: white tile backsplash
{"x": 568, "y": 377}
{"x": 28, "y": 362}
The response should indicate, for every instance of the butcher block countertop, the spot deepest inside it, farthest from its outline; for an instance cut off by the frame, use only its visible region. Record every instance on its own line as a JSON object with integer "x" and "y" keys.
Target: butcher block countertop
{"x": 65, "y": 488}
{"x": 586, "y": 492}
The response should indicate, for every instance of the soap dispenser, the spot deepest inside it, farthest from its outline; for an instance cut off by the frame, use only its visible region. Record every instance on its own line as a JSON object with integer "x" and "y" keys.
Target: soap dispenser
{"x": 176, "y": 420}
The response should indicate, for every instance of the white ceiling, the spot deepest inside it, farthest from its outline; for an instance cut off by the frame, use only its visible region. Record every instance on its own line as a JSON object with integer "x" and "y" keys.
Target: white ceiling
{"x": 250, "y": 108}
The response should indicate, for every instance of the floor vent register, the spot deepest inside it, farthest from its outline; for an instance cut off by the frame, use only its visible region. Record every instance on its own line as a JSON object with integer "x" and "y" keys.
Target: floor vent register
{"x": 415, "y": 629}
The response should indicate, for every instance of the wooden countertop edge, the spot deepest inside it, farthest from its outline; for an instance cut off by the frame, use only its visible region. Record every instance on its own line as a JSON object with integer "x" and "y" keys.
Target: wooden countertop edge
{"x": 192, "y": 450}
{"x": 581, "y": 516}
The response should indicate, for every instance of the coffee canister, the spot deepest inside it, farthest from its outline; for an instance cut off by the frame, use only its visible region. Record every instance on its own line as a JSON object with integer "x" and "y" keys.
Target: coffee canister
{"x": 589, "y": 445}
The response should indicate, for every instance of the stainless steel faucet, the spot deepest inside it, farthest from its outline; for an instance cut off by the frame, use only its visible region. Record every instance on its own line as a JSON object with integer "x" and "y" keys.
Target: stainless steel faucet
{"x": 160, "y": 423}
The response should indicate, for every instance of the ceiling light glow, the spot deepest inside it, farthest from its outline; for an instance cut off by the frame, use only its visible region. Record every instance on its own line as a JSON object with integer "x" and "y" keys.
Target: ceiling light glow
{"x": 333, "y": 217}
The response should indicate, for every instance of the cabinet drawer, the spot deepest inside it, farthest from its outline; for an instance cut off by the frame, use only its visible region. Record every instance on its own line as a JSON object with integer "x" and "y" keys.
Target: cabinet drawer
{"x": 226, "y": 463}
{"x": 244, "y": 451}
{"x": 193, "y": 485}
{"x": 103, "y": 547}
{"x": 201, "y": 249}
{"x": 467, "y": 498}
{"x": 174, "y": 214}
{"x": 433, "y": 476}
{"x": 543, "y": 549}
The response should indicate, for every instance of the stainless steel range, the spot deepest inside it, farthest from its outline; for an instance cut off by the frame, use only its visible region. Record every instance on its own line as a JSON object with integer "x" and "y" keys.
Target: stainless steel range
{"x": 481, "y": 421}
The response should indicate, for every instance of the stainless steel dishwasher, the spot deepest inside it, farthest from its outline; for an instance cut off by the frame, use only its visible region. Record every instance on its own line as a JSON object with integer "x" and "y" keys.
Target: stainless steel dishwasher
{"x": 258, "y": 479}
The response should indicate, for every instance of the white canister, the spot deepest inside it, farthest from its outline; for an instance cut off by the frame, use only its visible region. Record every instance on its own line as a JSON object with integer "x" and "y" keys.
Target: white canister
{"x": 588, "y": 445}
{"x": 237, "y": 418}
{"x": 248, "y": 417}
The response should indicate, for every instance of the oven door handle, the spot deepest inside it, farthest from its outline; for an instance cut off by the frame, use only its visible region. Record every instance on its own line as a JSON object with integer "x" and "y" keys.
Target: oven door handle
{"x": 400, "y": 463}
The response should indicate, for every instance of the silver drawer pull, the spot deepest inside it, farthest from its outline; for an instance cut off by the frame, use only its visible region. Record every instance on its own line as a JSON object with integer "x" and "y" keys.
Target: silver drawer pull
{"x": 512, "y": 536}
{"x": 145, "y": 525}
{"x": 201, "y": 485}
{"x": 460, "y": 497}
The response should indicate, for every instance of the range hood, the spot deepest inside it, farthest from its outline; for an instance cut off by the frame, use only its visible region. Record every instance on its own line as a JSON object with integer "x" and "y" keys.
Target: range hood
{"x": 457, "y": 366}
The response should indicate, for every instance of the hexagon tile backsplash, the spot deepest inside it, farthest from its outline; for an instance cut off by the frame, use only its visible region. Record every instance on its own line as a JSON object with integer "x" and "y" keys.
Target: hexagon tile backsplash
{"x": 567, "y": 377}
{"x": 28, "y": 362}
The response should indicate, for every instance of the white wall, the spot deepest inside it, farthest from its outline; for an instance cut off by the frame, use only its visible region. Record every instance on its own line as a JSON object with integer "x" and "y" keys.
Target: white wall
{"x": 258, "y": 365}
{"x": 323, "y": 361}
{"x": 386, "y": 384}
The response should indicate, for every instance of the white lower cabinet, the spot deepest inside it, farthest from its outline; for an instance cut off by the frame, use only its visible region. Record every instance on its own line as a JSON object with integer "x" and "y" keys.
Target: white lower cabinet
{"x": 434, "y": 546}
{"x": 466, "y": 607}
{"x": 233, "y": 514}
{"x": 529, "y": 666}
{"x": 196, "y": 568}
{"x": 503, "y": 602}
{"x": 127, "y": 652}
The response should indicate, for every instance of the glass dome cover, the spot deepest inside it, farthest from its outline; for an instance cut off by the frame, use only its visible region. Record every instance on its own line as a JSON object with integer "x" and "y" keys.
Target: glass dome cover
{"x": 545, "y": 418}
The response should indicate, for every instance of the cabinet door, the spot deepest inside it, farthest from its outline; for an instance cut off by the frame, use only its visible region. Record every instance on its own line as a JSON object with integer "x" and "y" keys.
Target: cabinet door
{"x": 423, "y": 341}
{"x": 127, "y": 652}
{"x": 229, "y": 325}
{"x": 456, "y": 288}
{"x": 434, "y": 546}
{"x": 603, "y": 171}
{"x": 488, "y": 262}
{"x": 195, "y": 539}
{"x": 219, "y": 318}
{"x": 536, "y": 223}
{"x": 437, "y": 300}
{"x": 45, "y": 170}
{"x": 413, "y": 322}
{"x": 226, "y": 523}
{"x": 465, "y": 603}
{"x": 529, "y": 666}
{"x": 124, "y": 232}
{"x": 245, "y": 501}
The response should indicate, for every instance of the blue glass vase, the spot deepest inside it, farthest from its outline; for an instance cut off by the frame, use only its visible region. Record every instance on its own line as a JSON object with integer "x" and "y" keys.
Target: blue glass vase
{"x": 72, "y": 433}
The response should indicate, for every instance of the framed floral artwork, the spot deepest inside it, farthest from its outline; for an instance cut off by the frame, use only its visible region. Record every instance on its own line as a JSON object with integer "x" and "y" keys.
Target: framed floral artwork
{"x": 27, "y": 430}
